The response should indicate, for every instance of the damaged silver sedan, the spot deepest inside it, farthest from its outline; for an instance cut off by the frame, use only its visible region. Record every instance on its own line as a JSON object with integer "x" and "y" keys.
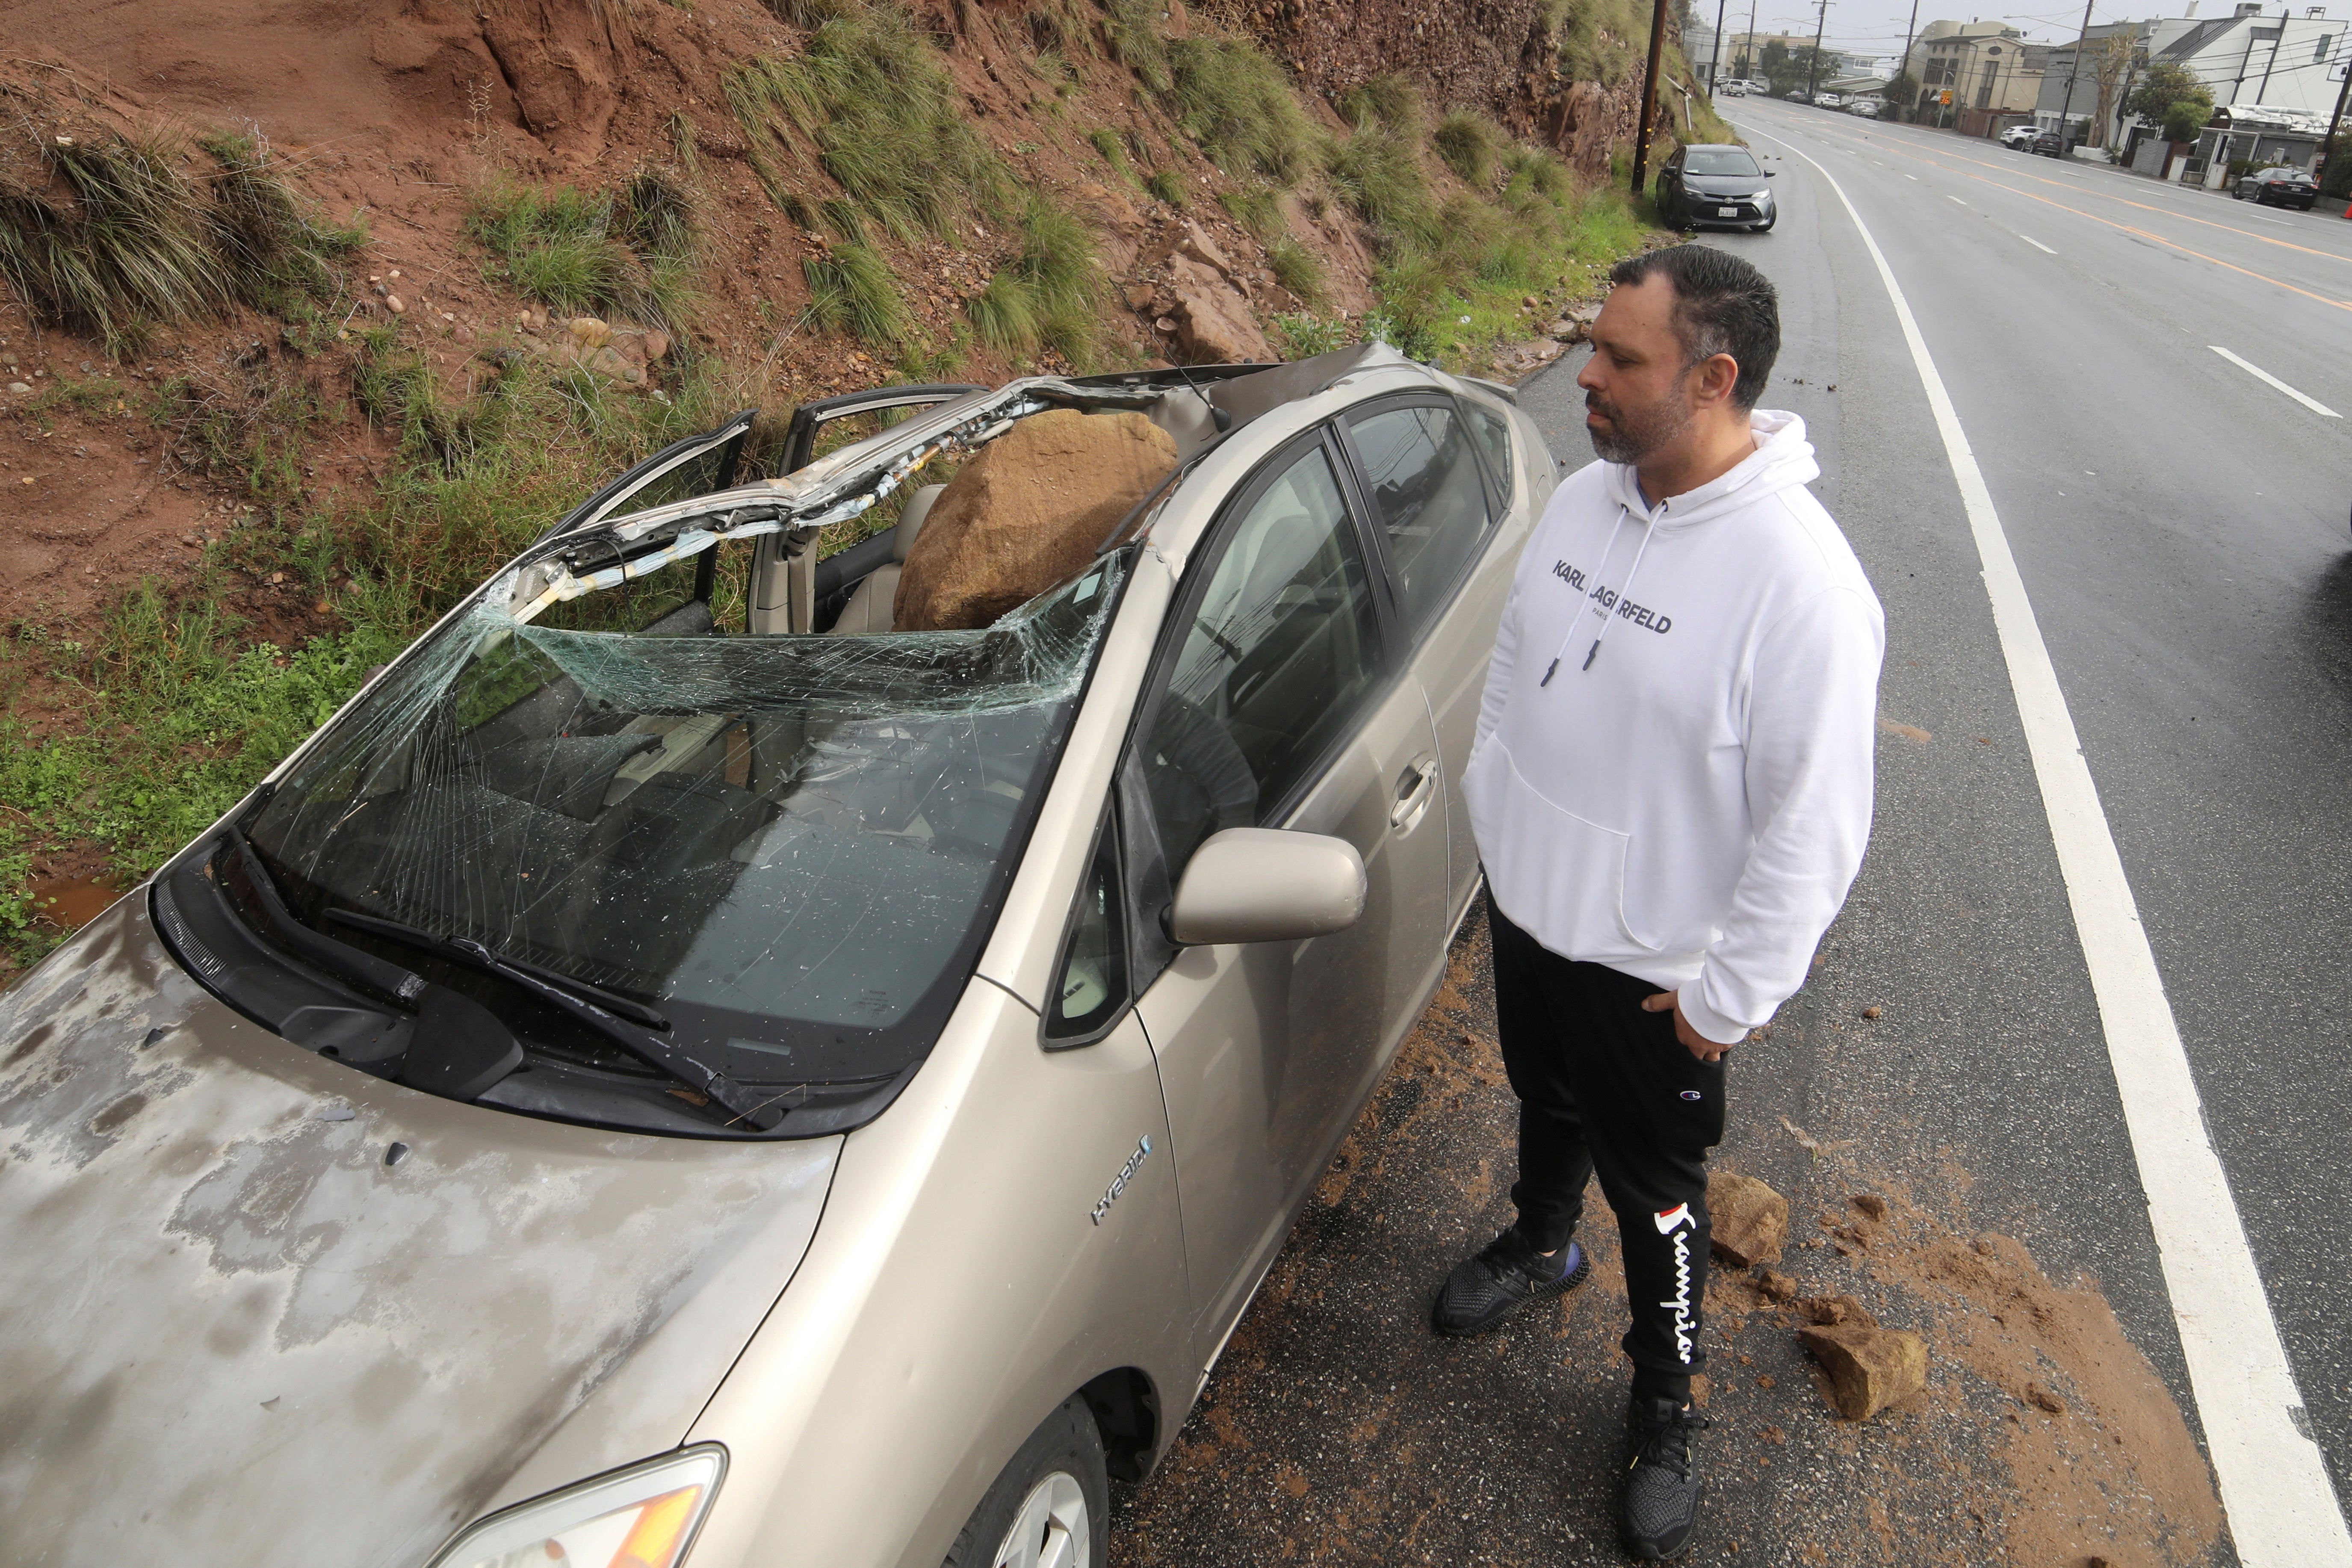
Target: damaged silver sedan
{"x": 745, "y": 1045}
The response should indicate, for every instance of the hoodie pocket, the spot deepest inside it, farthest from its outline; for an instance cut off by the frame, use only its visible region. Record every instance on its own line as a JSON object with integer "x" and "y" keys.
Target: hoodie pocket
{"x": 1560, "y": 876}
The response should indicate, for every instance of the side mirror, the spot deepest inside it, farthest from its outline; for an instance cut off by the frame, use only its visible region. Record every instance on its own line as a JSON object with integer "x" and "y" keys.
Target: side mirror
{"x": 1262, "y": 884}
{"x": 1771, "y": 173}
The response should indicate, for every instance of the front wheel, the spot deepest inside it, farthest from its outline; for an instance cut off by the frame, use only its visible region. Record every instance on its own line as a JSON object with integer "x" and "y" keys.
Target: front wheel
{"x": 2237, "y": 193}
{"x": 1050, "y": 1506}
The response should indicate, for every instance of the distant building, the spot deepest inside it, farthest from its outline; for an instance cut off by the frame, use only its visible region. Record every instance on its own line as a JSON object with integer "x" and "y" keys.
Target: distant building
{"x": 1977, "y": 76}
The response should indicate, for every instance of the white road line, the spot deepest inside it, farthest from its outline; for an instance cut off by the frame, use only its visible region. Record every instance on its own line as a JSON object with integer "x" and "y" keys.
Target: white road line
{"x": 2282, "y": 1513}
{"x": 1949, "y": 197}
{"x": 2259, "y": 374}
{"x": 2037, "y": 244}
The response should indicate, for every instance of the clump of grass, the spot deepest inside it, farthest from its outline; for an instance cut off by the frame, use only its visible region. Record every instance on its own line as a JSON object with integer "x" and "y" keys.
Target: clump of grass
{"x": 1532, "y": 172}
{"x": 1047, "y": 295}
{"x": 1136, "y": 42}
{"x": 852, "y": 290}
{"x": 132, "y": 241}
{"x": 1061, "y": 25}
{"x": 1296, "y": 269}
{"x": 1112, "y": 150}
{"x": 1233, "y": 99}
{"x": 871, "y": 92}
{"x": 1387, "y": 102}
{"x": 1258, "y": 210}
{"x": 653, "y": 212}
{"x": 275, "y": 255}
{"x": 1470, "y": 145}
{"x": 1167, "y": 186}
{"x": 1304, "y": 336}
{"x": 1376, "y": 172}
{"x": 568, "y": 248}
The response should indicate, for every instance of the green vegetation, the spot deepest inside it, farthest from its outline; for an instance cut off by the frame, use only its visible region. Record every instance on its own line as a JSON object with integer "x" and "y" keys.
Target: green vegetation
{"x": 1296, "y": 269}
{"x": 1237, "y": 102}
{"x": 1136, "y": 42}
{"x": 2174, "y": 97}
{"x": 1472, "y": 146}
{"x": 1258, "y": 210}
{"x": 1112, "y": 149}
{"x": 1168, "y": 185}
{"x": 852, "y": 290}
{"x": 1049, "y": 293}
{"x": 132, "y": 241}
{"x": 627, "y": 253}
{"x": 870, "y": 91}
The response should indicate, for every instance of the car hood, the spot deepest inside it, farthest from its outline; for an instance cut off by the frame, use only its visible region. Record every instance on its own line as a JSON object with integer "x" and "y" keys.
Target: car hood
{"x": 232, "y": 1331}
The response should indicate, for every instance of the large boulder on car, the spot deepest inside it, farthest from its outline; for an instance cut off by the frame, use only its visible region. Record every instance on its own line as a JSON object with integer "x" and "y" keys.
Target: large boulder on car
{"x": 1029, "y": 511}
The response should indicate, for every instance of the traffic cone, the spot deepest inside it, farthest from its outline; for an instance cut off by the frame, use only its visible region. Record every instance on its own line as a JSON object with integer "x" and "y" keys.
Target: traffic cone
{"x": 2347, "y": 209}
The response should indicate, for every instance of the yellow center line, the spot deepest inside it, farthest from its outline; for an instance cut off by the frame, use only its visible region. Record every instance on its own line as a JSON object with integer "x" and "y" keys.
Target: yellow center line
{"x": 2153, "y": 238}
{"x": 2102, "y": 196}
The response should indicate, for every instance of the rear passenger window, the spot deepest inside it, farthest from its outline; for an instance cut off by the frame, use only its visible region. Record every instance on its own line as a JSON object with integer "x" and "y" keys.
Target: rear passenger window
{"x": 1430, "y": 498}
{"x": 1494, "y": 439}
{"x": 1283, "y": 649}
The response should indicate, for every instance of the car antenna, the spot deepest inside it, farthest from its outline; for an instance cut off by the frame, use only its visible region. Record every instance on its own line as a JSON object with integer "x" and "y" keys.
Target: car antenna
{"x": 1222, "y": 419}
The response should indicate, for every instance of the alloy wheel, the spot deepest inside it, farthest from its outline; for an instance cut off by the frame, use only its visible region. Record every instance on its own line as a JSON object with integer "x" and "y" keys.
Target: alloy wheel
{"x": 1051, "y": 1530}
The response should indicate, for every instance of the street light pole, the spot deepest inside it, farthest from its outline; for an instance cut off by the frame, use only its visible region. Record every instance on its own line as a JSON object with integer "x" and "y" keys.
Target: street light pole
{"x": 1813, "y": 66}
{"x": 1753, "y": 65}
{"x": 1717, "y": 59}
{"x": 2328, "y": 145}
{"x": 2273, "y": 61}
{"x": 1650, "y": 93}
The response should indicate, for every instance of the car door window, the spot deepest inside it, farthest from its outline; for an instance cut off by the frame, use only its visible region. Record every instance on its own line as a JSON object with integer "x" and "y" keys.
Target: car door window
{"x": 1283, "y": 646}
{"x": 1428, "y": 497}
{"x": 1495, "y": 441}
{"x": 1091, "y": 988}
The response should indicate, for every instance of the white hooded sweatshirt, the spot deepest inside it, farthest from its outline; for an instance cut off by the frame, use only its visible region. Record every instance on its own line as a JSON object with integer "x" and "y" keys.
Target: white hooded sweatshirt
{"x": 1673, "y": 775}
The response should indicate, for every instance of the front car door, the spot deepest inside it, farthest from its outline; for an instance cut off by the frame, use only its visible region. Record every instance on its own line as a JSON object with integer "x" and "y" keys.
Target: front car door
{"x": 1279, "y": 702}
{"x": 1429, "y": 469}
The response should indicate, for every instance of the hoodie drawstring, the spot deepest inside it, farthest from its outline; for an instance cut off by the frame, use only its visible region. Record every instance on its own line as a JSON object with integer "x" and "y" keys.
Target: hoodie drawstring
{"x": 1649, "y": 530}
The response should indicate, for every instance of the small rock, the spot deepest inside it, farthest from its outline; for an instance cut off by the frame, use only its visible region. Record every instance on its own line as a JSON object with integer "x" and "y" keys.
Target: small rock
{"x": 1194, "y": 242}
{"x": 1750, "y": 1220}
{"x": 392, "y": 302}
{"x": 1835, "y": 1311}
{"x": 1869, "y": 1368}
{"x": 1872, "y": 1206}
{"x": 1773, "y": 1434}
{"x": 1775, "y": 1286}
{"x": 1137, "y": 297}
{"x": 1767, "y": 1381}
{"x": 2042, "y": 1399}
{"x": 1869, "y": 1012}
{"x": 18, "y": 387}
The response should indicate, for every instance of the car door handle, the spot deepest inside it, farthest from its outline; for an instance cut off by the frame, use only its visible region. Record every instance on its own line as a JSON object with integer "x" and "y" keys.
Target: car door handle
{"x": 1416, "y": 788}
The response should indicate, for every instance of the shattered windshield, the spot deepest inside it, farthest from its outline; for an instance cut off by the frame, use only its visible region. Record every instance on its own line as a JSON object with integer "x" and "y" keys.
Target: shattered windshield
{"x": 1720, "y": 161}
{"x": 790, "y": 847}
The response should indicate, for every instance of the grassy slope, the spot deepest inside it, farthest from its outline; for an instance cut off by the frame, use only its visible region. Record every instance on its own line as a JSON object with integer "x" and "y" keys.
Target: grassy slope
{"x": 148, "y": 727}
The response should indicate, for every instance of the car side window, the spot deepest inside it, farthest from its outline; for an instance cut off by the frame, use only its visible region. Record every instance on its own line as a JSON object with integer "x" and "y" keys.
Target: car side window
{"x": 1091, "y": 986}
{"x": 1495, "y": 441}
{"x": 1429, "y": 498}
{"x": 1283, "y": 647}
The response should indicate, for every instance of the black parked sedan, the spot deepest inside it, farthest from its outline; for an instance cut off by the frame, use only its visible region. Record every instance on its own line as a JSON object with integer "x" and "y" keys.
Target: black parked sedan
{"x": 2279, "y": 187}
{"x": 1716, "y": 186}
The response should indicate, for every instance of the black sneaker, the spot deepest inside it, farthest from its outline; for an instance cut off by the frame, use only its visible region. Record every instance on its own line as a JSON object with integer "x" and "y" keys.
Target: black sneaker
{"x": 1662, "y": 1484}
{"x": 1484, "y": 1290}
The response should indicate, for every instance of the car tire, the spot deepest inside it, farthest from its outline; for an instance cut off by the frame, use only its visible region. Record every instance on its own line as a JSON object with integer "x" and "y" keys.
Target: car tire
{"x": 1054, "y": 1495}
{"x": 2237, "y": 192}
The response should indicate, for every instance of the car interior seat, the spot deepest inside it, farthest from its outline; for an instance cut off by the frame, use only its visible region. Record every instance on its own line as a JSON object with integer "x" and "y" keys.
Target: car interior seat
{"x": 868, "y": 610}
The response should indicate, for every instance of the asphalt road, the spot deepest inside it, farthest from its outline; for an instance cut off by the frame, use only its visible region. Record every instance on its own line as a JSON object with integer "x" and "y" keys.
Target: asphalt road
{"x": 2182, "y": 527}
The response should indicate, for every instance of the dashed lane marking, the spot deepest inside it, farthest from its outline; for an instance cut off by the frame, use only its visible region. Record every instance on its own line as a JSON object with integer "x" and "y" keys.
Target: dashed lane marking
{"x": 1949, "y": 197}
{"x": 2273, "y": 1481}
{"x": 2037, "y": 244}
{"x": 2259, "y": 374}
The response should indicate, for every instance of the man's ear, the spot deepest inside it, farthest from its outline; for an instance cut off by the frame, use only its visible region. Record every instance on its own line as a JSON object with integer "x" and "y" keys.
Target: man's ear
{"x": 1719, "y": 374}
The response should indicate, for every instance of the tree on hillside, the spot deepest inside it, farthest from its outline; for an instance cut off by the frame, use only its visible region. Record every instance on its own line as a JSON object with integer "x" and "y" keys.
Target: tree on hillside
{"x": 2172, "y": 96}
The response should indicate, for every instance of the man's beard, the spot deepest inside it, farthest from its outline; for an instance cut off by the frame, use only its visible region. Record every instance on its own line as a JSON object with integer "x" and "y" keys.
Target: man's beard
{"x": 1633, "y": 433}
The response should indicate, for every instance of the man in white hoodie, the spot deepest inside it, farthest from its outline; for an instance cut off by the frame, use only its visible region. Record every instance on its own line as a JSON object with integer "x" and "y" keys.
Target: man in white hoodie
{"x": 1671, "y": 791}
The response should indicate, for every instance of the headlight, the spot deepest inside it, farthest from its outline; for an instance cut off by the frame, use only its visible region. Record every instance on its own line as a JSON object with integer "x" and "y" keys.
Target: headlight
{"x": 640, "y": 1517}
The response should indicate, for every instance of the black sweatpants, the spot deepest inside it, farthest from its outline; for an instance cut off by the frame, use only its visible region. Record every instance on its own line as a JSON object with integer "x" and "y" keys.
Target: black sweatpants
{"x": 1605, "y": 1086}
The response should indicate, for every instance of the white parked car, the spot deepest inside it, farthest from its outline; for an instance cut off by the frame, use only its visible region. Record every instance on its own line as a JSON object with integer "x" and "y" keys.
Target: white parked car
{"x": 1865, "y": 107}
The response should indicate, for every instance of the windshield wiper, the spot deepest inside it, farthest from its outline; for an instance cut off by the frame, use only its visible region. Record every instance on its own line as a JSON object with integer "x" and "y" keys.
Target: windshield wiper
{"x": 611, "y": 1001}
{"x": 570, "y": 997}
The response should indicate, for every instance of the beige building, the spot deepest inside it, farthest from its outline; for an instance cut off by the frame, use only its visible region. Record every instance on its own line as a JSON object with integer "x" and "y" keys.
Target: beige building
{"x": 1986, "y": 68}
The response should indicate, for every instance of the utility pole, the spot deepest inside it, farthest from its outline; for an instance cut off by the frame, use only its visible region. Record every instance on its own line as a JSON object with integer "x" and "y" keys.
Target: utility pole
{"x": 1813, "y": 66}
{"x": 1650, "y": 93}
{"x": 2327, "y": 146}
{"x": 1718, "y": 58}
{"x": 2074, "y": 66}
{"x": 1903, "y": 66}
{"x": 1753, "y": 64}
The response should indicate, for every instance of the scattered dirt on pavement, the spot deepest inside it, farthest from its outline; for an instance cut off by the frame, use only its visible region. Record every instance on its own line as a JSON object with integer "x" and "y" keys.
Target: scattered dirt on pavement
{"x": 1339, "y": 1429}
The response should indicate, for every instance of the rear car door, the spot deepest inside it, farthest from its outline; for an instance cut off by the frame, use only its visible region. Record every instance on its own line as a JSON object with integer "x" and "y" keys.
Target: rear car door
{"x": 1425, "y": 465}
{"x": 1280, "y": 701}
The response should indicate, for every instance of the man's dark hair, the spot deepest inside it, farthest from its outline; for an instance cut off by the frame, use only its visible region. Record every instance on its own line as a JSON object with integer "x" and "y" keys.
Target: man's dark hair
{"x": 1722, "y": 306}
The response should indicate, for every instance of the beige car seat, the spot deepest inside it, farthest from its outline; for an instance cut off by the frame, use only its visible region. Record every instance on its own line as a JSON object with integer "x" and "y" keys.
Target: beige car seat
{"x": 868, "y": 610}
